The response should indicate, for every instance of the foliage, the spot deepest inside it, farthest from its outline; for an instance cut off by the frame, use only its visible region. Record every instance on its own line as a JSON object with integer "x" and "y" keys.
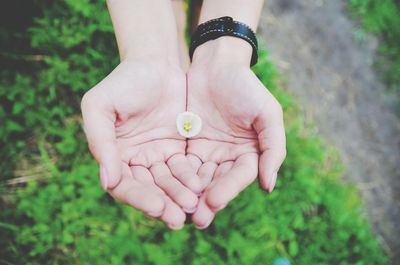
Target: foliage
{"x": 61, "y": 215}
{"x": 383, "y": 18}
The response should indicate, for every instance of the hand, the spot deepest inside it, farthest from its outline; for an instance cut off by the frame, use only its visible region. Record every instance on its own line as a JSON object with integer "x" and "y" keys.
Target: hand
{"x": 129, "y": 120}
{"x": 243, "y": 132}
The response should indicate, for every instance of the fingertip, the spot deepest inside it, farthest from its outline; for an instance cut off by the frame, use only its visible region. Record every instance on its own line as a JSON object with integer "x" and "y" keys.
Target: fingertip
{"x": 263, "y": 182}
{"x": 272, "y": 182}
{"x": 190, "y": 210}
{"x": 202, "y": 220}
{"x": 110, "y": 176}
{"x": 173, "y": 215}
{"x": 268, "y": 182}
{"x": 266, "y": 169}
{"x": 202, "y": 227}
{"x": 114, "y": 180}
{"x": 213, "y": 201}
{"x": 216, "y": 205}
{"x": 195, "y": 185}
{"x": 176, "y": 227}
{"x": 187, "y": 199}
{"x": 110, "y": 172}
{"x": 216, "y": 200}
{"x": 192, "y": 182}
{"x": 190, "y": 201}
{"x": 155, "y": 206}
{"x": 203, "y": 216}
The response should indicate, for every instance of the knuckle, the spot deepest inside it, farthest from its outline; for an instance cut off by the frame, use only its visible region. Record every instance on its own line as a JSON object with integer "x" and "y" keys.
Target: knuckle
{"x": 274, "y": 108}
{"x": 277, "y": 108}
{"x": 156, "y": 168}
{"x": 86, "y": 100}
{"x": 90, "y": 99}
{"x": 177, "y": 193}
{"x": 284, "y": 153}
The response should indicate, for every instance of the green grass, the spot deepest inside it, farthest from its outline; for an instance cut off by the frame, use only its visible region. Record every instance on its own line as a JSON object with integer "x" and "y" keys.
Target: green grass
{"x": 58, "y": 214}
{"x": 382, "y": 17}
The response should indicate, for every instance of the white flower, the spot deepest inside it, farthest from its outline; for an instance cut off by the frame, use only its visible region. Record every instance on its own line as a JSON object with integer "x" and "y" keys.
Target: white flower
{"x": 188, "y": 124}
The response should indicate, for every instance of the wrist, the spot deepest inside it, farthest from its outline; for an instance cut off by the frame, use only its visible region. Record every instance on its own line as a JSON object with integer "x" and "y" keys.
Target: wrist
{"x": 144, "y": 29}
{"x": 149, "y": 53}
{"x": 148, "y": 43}
{"x": 225, "y": 50}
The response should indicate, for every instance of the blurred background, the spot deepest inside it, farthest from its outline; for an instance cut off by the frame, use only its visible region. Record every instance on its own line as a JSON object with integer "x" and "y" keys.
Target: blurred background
{"x": 333, "y": 65}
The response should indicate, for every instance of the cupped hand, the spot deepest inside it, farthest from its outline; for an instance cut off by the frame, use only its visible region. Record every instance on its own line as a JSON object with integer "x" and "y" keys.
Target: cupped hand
{"x": 129, "y": 121}
{"x": 242, "y": 136}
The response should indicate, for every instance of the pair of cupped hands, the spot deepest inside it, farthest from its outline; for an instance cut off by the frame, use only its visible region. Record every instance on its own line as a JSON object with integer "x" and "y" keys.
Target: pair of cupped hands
{"x": 130, "y": 123}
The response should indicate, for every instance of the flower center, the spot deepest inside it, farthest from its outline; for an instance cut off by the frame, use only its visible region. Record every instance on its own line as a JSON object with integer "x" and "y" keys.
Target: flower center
{"x": 187, "y": 126}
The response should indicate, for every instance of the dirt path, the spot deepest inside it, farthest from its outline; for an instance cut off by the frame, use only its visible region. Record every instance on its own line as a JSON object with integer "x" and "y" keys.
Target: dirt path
{"x": 312, "y": 42}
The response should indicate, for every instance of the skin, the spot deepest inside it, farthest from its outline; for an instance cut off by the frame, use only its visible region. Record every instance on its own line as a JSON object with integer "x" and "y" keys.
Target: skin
{"x": 178, "y": 7}
{"x": 242, "y": 135}
{"x": 130, "y": 116}
{"x": 243, "y": 132}
{"x": 135, "y": 141}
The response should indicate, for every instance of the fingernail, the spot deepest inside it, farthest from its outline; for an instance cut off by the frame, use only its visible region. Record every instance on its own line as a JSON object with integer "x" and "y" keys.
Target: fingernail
{"x": 272, "y": 182}
{"x": 202, "y": 226}
{"x": 189, "y": 210}
{"x": 103, "y": 178}
{"x": 174, "y": 226}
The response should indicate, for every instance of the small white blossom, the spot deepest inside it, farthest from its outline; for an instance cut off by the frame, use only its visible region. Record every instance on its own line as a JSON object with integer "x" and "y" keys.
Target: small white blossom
{"x": 188, "y": 124}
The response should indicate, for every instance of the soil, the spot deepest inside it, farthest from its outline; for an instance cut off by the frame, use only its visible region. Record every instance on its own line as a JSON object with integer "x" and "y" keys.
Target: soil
{"x": 314, "y": 43}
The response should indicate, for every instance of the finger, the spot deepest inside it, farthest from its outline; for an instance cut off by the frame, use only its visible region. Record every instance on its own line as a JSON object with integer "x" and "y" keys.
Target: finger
{"x": 98, "y": 118}
{"x": 203, "y": 216}
{"x": 173, "y": 215}
{"x": 142, "y": 175}
{"x": 272, "y": 143}
{"x": 139, "y": 196}
{"x": 173, "y": 188}
{"x": 230, "y": 184}
{"x": 206, "y": 173}
{"x": 194, "y": 161}
{"x": 222, "y": 169}
{"x": 182, "y": 169}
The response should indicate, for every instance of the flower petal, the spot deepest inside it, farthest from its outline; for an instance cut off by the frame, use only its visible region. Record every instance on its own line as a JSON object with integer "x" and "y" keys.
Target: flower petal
{"x": 188, "y": 124}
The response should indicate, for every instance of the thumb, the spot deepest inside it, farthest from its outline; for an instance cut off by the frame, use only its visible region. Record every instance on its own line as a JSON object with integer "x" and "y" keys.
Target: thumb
{"x": 272, "y": 142}
{"x": 99, "y": 119}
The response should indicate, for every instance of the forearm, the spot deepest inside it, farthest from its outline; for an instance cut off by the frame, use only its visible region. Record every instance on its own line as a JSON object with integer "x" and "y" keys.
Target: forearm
{"x": 229, "y": 49}
{"x": 144, "y": 28}
{"x": 247, "y": 12}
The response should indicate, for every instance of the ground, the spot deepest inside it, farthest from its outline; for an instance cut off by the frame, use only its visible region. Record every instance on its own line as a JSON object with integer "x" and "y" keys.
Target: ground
{"x": 330, "y": 71}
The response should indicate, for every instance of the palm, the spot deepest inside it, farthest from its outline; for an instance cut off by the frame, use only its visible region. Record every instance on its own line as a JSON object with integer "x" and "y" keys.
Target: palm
{"x": 146, "y": 107}
{"x": 143, "y": 101}
{"x": 231, "y": 104}
{"x": 228, "y": 110}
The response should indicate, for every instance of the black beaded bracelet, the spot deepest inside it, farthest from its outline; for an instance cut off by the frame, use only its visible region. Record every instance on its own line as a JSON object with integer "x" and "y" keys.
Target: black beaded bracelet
{"x": 224, "y": 26}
